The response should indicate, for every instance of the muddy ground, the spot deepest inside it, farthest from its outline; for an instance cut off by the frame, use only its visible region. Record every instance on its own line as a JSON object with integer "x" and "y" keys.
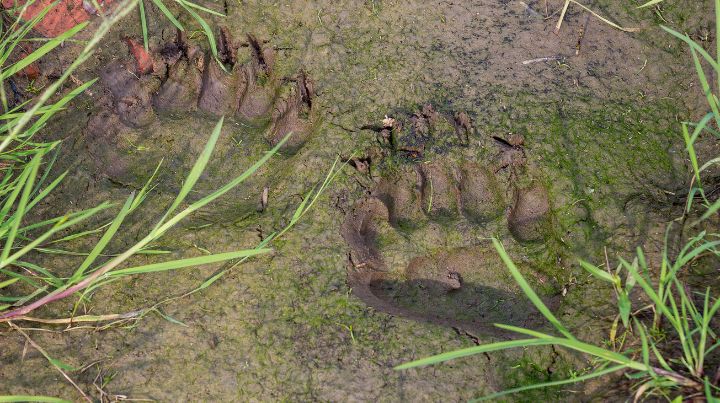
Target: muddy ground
{"x": 560, "y": 159}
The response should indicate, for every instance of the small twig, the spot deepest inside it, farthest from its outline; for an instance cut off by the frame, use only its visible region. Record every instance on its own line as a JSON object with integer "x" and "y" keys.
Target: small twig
{"x": 582, "y": 34}
{"x": 603, "y": 19}
{"x": 45, "y": 354}
{"x": 562, "y": 16}
{"x": 79, "y": 82}
{"x": 542, "y": 59}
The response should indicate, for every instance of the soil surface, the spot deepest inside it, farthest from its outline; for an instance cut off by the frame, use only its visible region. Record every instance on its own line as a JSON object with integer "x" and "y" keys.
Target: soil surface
{"x": 457, "y": 122}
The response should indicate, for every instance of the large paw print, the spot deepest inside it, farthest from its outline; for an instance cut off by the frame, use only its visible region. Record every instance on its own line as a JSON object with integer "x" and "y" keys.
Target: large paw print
{"x": 178, "y": 79}
{"x": 420, "y": 239}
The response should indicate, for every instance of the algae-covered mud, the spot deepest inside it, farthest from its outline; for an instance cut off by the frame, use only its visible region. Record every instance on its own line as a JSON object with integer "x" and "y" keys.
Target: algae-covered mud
{"x": 456, "y": 122}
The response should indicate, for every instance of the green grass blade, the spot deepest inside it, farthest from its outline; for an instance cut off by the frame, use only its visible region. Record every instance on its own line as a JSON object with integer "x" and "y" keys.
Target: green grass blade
{"x": 644, "y": 345}
{"x": 21, "y": 277}
{"x": 704, "y": 327}
{"x": 199, "y": 7}
{"x": 660, "y": 357}
{"x": 705, "y": 85}
{"x": 601, "y": 274}
{"x": 103, "y": 242}
{"x": 522, "y": 330}
{"x": 146, "y": 188}
{"x": 685, "y": 258}
{"x": 682, "y": 333}
{"x": 49, "y": 277}
{"x": 10, "y": 201}
{"x": 61, "y": 225}
{"x": 143, "y": 24}
{"x": 708, "y": 392}
{"x": 19, "y": 34}
{"x": 6, "y": 283}
{"x": 168, "y": 14}
{"x": 42, "y": 51}
{"x": 46, "y": 191}
{"x": 23, "y": 300}
{"x": 694, "y": 45}
{"x": 206, "y": 28}
{"x": 717, "y": 32}
{"x": 196, "y": 170}
{"x": 689, "y": 146}
{"x": 33, "y": 168}
{"x": 624, "y": 307}
{"x": 650, "y": 3}
{"x": 222, "y": 190}
{"x": 169, "y": 318}
{"x": 659, "y": 304}
{"x": 485, "y": 348}
{"x": 582, "y": 378}
{"x": 54, "y": 108}
{"x": 193, "y": 261}
{"x": 580, "y": 346}
{"x": 709, "y": 212}
{"x": 529, "y": 292}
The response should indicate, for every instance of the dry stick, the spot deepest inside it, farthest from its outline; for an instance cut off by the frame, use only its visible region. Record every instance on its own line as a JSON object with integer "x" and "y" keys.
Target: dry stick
{"x": 603, "y": 19}
{"x": 542, "y": 59}
{"x": 82, "y": 318}
{"x": 562, "y": 16}
{"x": 582, "y": 34}
{"x": 45, "y": 354}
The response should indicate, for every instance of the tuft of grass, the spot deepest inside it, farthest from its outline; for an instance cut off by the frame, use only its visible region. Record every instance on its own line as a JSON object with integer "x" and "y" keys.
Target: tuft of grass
{"x": 82, "y": 278}
{"x": 190, "y": 8}
{"x": 656, "y": 370}
{"x": 26, "y": 166}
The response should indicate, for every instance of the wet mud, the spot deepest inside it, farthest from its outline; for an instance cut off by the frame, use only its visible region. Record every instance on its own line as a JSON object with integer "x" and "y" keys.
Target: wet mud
{"x": 458, "y": 122}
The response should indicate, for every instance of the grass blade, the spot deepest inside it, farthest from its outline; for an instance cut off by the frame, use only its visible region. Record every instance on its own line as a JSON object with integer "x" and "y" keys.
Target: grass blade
{"x": 601, "y": 274}
{"x": 143, "y": 24}
{"x": 61, "y": 225}
{"x": 196, "y": 170}
{"x": 168, "y": 14}
{"x": 42, "y": 51}
{"x": 451, "y": 355}
{"x": 22, "y": 398}
{"x": 102, "y": 243}
{"x": 529, "y": 292}
{"x": 713, "y": 63}
{"x": 651, "y": 3}
{"x": 582, "y": 378}
{"x": 206, "y": 28}
{"x": 221, "y": 191}
{"x": 194, "y": 261}
{"x": 199, "y": 7}
{"x": 33, "y": 168}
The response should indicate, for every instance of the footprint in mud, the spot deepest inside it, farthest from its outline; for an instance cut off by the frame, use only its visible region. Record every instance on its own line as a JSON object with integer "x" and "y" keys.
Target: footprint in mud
{"x": 419, "y": 240}
{"x": 180, "y": 78}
